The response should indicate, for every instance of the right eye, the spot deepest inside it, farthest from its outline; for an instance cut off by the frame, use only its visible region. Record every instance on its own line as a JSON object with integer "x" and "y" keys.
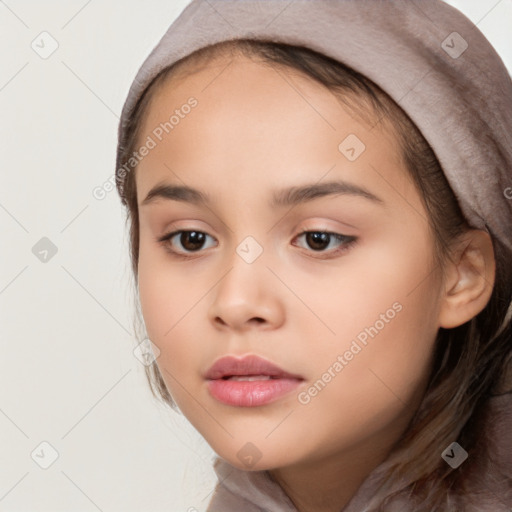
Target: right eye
{"x": 190, "y": 240}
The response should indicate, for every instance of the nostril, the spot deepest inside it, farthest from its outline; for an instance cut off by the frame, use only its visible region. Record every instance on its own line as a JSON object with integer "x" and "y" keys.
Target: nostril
{"x": 255, "y": 319}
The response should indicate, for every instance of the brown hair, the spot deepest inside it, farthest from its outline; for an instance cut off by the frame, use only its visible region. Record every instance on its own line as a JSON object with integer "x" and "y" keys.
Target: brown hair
{"x": 469, "y": 361}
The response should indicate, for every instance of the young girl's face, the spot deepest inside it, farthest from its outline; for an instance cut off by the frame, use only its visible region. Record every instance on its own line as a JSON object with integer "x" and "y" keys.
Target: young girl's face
{"x": 354, "y": 316}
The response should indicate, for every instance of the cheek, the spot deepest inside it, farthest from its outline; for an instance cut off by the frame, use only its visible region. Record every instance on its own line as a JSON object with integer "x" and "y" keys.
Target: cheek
{"x": 382, "y": 375}
{"x": 163, "y": 299}
{"x": 166, "y": 289}
{"x": 170, "y": 302}
{"x": 381, "y": 309}
{"x": 381, "y": 379}
{"x": 386, "y": 285}
{"x": 395, "y": 325}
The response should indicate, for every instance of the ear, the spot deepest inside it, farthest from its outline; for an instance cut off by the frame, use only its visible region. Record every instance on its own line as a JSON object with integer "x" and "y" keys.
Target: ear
{"x": 469, "y": 279}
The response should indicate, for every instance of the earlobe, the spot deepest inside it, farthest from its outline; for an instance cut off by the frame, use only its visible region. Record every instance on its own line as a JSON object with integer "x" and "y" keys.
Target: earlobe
{"x": 469, "y": 279}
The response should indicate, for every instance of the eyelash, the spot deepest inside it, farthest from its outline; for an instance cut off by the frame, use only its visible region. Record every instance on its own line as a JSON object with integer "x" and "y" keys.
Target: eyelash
{"x": 349, "y": 242}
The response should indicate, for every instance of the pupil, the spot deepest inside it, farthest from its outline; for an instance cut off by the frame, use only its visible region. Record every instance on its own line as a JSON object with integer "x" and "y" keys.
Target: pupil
{"x": 193, "y": 236}
{"x": 318, "y": 238}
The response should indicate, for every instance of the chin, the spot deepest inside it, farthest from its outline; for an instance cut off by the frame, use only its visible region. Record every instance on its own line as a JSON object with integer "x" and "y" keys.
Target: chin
{"x": 249, "y": 456}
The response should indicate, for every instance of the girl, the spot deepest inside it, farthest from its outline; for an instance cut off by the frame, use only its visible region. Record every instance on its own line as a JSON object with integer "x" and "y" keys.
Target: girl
{"x": 319, "y": 196}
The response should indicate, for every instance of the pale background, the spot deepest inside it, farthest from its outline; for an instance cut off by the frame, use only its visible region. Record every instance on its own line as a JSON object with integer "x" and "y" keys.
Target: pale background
{"x": 67, "y": 371}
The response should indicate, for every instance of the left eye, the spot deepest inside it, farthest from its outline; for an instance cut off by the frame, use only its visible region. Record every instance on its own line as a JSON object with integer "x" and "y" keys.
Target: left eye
{"x": 319, "y": 240}
{"x": 192, "y": 241}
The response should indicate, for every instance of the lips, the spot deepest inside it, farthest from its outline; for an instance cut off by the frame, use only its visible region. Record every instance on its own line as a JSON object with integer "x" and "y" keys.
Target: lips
{"x": 250, "y": 381}
{"x": 248, "y": 366}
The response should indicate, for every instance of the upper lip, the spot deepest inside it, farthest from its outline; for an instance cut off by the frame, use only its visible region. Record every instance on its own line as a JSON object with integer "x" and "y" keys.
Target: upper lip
{"x": 248, "y": 365}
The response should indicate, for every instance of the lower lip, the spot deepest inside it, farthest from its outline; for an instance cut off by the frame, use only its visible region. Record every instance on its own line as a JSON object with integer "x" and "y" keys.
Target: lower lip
{"x": 250, "y": 393}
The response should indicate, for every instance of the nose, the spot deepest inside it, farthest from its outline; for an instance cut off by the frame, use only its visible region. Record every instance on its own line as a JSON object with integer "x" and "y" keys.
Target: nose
{"x": 246, "y": 297}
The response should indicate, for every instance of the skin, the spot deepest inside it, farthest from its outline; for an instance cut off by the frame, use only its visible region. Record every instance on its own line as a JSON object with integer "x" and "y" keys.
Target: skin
{"x": 257, "y": 129}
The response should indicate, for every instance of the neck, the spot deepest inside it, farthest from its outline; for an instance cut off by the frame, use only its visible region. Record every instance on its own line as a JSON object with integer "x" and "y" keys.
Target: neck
{"x": 327, "y": 484}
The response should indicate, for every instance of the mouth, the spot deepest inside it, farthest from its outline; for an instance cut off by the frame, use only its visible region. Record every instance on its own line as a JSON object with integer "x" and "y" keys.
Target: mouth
{"x": 249, "y": 381}
{"x": 249, "y": 377}
{"x": 247, "y": 366}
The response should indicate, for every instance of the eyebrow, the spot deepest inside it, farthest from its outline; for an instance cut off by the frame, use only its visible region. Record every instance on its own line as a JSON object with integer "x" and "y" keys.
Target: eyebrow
{"x": 284, "y": 197}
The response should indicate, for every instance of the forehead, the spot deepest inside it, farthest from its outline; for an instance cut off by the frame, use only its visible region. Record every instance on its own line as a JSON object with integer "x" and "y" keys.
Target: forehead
{"x": 244, "y": 85}
{"x": 252, "y": 120}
